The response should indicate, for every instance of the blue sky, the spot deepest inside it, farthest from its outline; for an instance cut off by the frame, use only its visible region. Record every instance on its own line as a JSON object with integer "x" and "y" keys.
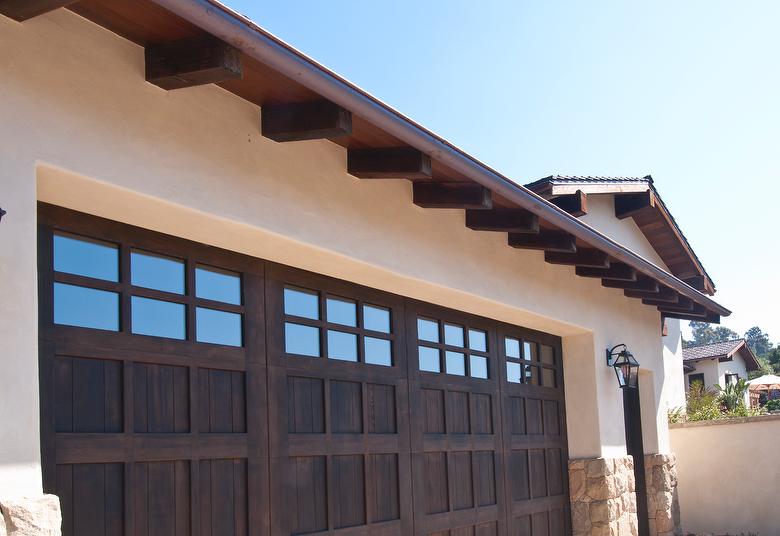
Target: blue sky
{"x": 688, "y": 91}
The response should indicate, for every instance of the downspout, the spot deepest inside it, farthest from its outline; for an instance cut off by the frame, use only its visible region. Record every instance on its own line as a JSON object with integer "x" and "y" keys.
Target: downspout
{"x": 257, "y": 43}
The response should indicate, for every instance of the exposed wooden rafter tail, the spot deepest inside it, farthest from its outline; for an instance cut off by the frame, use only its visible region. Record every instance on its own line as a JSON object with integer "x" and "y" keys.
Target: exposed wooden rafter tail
{"x": 22, "y": 10}
{"x": 389, "y": 163}
{"x": 643, "y": 283}
{"x": 192, "y": 62}
{"x": 465, "y": 195}
{"x": 587, "y": 257}
{"x": 617, "y": 271}
{"x": 628, "y": 205}
{"x": 545, "y": 240}
{"x": 575, "y": 204}
{"x": 315, "y": 120}
{"x": 503, "y": 219}
{"x": 664, "y": 294}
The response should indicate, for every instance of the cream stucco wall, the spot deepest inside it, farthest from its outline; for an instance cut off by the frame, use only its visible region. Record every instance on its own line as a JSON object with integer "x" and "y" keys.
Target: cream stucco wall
{"x": 715, "y": 371}
{"x": 601, "y": 215}
{"x": 674, "y": 388}
{"x": 81, "y": 128}
{"x": 728, "y": 476}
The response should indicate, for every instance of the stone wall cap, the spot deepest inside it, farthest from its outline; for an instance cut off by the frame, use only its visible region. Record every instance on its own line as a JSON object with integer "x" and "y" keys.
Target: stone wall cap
{"x": 721, "y": 422}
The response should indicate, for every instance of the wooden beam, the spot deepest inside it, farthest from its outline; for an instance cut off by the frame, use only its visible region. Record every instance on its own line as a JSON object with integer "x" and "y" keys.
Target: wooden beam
{"x": 662, "y": 302}
{"x": 693, "y": 309}
{"x": 575, "y": 204}
{"x": 389, "y": 163}
{"x": 591, "y": 258}
{"x": 511, "y": 220}
{"x": 558, "y": 241}
{"x": 698, "y": 282}
{"x": 684, "y": 304}
{"x": 616, "y": 271}
{"x": 452, "y": 195}
{"x": 22, "y": 10}
{"x": 192, "y": 62}
{"x": 315, "y": 120}
{"x": 664, "y": 294}
{"x": 644, "y": 283}
{"x": 627, "y": 205}
{"x": 708, "y": 317}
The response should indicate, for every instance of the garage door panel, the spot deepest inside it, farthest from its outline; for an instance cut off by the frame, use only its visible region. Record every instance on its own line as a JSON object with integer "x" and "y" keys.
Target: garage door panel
{"x": 92, "y": 498}
{"x": 456, "y": 439}
{"x": 338, "y": 410}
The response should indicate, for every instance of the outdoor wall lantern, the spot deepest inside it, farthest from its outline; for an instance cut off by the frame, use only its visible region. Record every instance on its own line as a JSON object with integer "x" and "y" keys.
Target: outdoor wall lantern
{"x": 626, "y": 367}
{"x": 2, "y": 213}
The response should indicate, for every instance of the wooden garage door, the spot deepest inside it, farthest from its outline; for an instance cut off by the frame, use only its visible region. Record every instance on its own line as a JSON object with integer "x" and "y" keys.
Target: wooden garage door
{"x": 190, "y": 390}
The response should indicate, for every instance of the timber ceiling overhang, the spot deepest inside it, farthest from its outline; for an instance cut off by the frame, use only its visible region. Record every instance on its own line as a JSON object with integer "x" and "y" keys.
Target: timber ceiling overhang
{"x": 637, "y": 198}
{"x": 194, "y": 42}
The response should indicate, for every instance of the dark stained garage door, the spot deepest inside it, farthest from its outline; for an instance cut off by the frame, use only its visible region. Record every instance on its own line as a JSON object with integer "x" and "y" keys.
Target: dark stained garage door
{"x": 190, "y": 390}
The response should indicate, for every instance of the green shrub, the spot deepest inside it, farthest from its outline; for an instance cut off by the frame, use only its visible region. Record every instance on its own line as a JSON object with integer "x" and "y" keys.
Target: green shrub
{"x": 773, "y": 405}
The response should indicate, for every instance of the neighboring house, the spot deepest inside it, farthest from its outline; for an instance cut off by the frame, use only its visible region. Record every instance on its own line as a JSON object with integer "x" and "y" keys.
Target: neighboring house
{"x": 271, "y": 304}
{"x": 720, "y": 363}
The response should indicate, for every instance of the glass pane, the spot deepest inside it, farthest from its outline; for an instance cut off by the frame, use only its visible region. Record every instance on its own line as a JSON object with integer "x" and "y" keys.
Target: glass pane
{"x": 529, "y": 351}
{"x": 512, "y": 347}
{"x": 342, "y": 346}
{"x": 301, "y": 303}
{"x": 456, "y": 363}
{"x": 427, "y": 330}
{"x": 429, "y": 359}
{"x": 342, "y": 312}
{"x": 217, "y": 327}
{"x": 548, "y": 377}
{"x": 514, "y": 372}
{"x": 477, "y": 340}
{"x": 478, "y": 366}
{"x": 376, "y": 318}
{"x": 86, "y": 307}
{"x": 378, "y": 351}
{"x": 301, "y": 340}
{"x": 453, "y": 335}
{"x": 547, "y": 354}
{"x": 83, "y": 256}
{"x": 157, "y": 272}
{"x": 158, "y": 318}
{"x": 217, "y": 285}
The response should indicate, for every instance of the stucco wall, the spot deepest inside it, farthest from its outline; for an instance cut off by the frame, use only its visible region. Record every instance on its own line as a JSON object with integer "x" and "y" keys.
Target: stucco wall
{"x": 729, "y": 476}
{"x": 715, "y": 371}
{"x": 601, "y": 215}
{"x": 674, "y": 388}
{"x": 84, "y": 130}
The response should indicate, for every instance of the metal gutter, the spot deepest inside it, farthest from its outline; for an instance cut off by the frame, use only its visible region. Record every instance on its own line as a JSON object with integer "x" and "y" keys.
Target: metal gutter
{"x": 242, "y": 33}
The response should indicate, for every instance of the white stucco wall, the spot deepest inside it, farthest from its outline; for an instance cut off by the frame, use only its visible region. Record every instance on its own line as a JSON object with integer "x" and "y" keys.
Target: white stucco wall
{"x": 601, "y": 215}
{"x": 715, "y": 371}
{"x": 674, "y": 389}
{"x": 728, "y": 475}
{"x": 82, "y": 129}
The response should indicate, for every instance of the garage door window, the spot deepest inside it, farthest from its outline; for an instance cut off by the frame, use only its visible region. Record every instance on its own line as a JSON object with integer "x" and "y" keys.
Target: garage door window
{"x": 337, "y": 327}
{"x": 464, "y": 350}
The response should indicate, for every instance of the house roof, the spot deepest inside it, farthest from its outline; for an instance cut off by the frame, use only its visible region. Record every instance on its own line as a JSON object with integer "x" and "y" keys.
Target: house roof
{"x": 721, "y": 350}
{"x": 264, "y": 70}
{"x": 656, "y": 223}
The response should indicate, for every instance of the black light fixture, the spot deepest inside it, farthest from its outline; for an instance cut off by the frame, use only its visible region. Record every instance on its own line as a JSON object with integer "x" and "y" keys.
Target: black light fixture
{"x": 2, "y": 213}
{"x": 626, "y": 367}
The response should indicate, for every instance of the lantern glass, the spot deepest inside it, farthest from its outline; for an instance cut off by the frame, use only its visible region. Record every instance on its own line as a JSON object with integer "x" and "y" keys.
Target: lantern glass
{"x": 626, "y": 369}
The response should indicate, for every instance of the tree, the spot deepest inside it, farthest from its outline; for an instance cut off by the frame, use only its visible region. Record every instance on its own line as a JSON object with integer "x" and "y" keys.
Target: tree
{"x": 758, "y": 341}
{"x": 703, "y": 333}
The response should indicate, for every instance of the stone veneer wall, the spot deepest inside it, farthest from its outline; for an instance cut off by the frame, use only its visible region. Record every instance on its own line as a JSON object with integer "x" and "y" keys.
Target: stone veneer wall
{"x": 31, "y": 516}
{"x": 662, "y": 502}
{"x": 603, "y": 502}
